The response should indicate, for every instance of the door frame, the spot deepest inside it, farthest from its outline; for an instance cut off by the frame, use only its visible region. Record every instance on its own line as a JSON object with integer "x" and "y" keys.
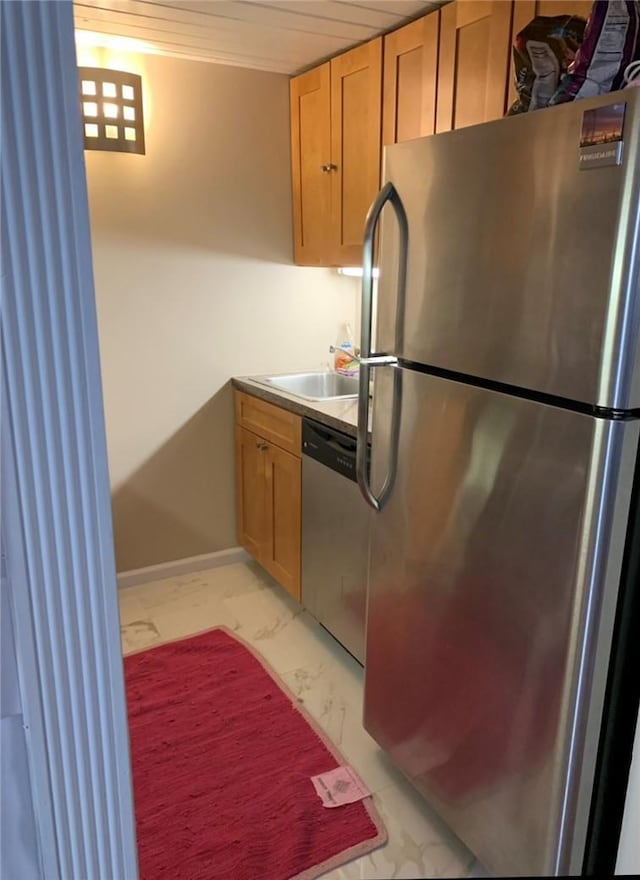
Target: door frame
{"x": 56, "y": 496}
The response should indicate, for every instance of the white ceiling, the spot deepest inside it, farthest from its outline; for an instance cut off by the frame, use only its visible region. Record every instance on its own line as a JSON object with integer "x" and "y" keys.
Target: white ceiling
{"x": 284, "y": 37}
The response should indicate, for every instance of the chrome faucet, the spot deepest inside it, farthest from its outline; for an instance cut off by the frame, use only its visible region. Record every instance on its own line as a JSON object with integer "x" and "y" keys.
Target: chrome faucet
{"x": 352, "y": 357}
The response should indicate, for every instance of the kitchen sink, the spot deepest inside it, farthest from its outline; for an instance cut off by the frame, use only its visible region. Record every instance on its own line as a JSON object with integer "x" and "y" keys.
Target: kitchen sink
{"x": 313, "y": 386}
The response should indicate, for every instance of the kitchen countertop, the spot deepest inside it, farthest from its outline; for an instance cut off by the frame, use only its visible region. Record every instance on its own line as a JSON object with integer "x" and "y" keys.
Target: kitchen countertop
{"x": 339, "y": 414}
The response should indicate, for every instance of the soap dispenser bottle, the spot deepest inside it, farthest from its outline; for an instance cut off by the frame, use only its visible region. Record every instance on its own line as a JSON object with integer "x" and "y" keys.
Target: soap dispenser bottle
{"x": 344, "y": 353}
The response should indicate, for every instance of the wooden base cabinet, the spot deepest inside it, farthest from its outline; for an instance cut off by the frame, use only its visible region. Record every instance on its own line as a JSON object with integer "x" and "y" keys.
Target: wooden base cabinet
{"x": 268, "y": 488}
{"x": 283, "y": 479}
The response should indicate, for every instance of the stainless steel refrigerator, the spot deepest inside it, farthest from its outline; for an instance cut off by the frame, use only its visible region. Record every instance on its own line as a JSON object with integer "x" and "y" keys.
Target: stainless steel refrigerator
{"x": 502, "y": 615}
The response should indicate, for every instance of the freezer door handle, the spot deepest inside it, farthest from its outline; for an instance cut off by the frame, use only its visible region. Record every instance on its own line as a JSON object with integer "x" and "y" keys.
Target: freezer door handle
{"x": 389, "y": 194}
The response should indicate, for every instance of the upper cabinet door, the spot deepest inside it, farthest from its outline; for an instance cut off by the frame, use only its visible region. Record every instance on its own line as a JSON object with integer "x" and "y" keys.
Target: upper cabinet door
{"x": 410, "y": 80}
{"x": 474, "y": 64}
{"x": 356, "y": 86}
{"x": 310, "y": 160}
{"x": 525, "y": 10}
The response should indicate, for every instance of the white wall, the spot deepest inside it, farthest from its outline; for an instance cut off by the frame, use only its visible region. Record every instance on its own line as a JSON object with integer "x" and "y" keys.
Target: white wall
{"x": 192, "y": 253}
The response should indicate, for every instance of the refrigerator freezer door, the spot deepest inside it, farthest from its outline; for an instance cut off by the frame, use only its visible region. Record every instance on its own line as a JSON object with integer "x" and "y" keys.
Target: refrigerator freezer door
{"x": 493, "y": 573}
{"x": 522, "y": 268}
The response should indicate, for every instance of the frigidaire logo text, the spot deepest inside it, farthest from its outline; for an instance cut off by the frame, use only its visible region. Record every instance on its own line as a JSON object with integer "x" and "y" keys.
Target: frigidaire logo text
{"x": 601, "y": 154}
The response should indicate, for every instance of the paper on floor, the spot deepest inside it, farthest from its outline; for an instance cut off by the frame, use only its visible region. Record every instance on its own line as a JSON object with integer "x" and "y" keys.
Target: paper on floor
{"x": 340, "y": 786}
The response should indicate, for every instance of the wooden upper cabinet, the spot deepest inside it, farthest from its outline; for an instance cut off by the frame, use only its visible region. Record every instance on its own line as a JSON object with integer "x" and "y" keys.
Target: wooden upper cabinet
{"x": 410, "y": 80}
{"x": 356, "y": 79}
{"x": 474, "y": 62}
{"x": 335, "y": 154}
{"x": 525, "y": 10}
{"x": 310, "y": 152}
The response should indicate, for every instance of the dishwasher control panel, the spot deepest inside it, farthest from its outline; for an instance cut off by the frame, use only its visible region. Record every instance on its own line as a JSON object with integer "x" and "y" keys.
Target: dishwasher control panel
{"x": 330, "y": 447}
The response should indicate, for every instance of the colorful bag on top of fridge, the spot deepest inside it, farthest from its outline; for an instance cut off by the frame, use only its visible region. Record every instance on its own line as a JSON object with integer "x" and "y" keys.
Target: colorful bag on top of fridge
{"x": 611, "y": 43}
{"x": 542, "y": 53}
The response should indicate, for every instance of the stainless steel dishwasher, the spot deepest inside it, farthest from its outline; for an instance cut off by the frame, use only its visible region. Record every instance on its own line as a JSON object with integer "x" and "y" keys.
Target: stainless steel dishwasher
{"x": 335, "y": 522}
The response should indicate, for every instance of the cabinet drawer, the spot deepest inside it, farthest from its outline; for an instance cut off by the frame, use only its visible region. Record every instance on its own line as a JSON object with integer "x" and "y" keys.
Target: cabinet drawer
{"x": 271, "y": 422}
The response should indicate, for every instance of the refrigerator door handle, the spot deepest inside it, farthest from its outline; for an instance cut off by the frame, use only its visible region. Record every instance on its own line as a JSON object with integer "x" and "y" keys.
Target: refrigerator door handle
{"x": 379, "y": 360}
{"x": 388, "y": 193}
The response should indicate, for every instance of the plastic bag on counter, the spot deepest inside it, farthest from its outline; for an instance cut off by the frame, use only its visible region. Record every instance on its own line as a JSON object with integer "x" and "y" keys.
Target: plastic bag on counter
{"x": 542, "y": 53}
{"x": 611, "y": 42}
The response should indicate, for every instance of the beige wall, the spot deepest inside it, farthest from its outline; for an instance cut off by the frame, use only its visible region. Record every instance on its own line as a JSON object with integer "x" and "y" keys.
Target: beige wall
{"x": 194, "y": 284}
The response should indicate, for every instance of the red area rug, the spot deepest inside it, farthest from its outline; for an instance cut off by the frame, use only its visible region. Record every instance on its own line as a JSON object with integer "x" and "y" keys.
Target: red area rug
{"x": 221, "y": 758}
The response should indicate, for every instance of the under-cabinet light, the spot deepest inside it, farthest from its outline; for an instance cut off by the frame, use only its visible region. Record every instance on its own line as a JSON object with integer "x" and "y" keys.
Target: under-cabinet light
{"x": 355, "y": 271}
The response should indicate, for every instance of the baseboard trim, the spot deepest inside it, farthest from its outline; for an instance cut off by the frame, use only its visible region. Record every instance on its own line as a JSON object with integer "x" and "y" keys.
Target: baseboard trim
{"x": 181, "y": 566}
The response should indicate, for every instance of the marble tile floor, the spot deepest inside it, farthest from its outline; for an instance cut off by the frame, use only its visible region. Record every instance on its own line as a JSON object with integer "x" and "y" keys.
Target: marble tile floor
{"x": 327, "y": 680}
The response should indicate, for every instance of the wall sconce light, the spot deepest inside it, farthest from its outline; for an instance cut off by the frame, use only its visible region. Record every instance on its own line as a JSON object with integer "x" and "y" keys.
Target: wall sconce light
{"x": 111, "y": 105}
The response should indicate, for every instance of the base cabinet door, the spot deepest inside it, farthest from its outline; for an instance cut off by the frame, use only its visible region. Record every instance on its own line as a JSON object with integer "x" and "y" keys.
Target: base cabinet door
{"x": 474, "y": 63}
{"x": 251, "y": 499}
{"x": 269, "y": 488}
{"x": 283, "y": 514}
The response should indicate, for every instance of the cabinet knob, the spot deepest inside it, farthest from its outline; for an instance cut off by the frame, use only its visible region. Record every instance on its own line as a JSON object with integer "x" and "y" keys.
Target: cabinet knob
{"x": 262, "y": 446}
{"x": 327, "y": 168}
